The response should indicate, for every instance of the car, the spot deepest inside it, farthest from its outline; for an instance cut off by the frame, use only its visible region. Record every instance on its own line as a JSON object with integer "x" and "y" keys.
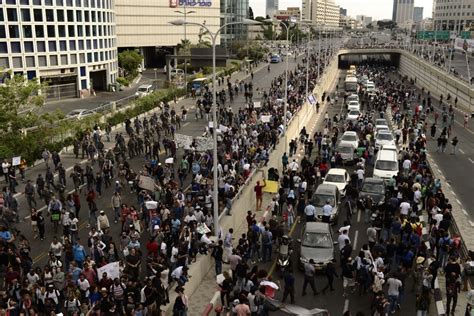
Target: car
{"x": 316, "y": 243}
{"x": 275, "y": 59}
{"x": 381, "y": 122}
{"x": 391, "y": 147}
{"x": 375, "y": 188}
{"x": 352, "y": 97}
{"x": 370, "y": 86}
{"x": 381, "y": 128}
{"x": 350, "y": 138}
{"x": 346, "y": 151}
{"x": 326, "y": 192}
{"x": 338, "y": 177}
{"x": 79, "y": 113}
{"x": 353, "y": 105}
{"x": 353, "y": 115}
{"x": 144, "y": 90}
{"x": 384, "y": 138}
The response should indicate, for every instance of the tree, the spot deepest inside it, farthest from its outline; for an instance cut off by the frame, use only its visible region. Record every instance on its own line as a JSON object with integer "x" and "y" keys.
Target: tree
{"x": 250, "y": 13}
{"x": 184, "y": 47}
{"x": 129, "y": 61}
{"x": 386, "y": 25}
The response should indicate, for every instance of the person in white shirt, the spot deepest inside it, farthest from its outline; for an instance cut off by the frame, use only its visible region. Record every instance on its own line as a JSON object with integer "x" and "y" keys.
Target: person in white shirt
{"x": 341, "y": 240}
{"x": 293, "y": 166}
{"x": 327, "y": 212}
{"x": 405, "y": 208}
{"x": 310, "y": 211}
{"x": 394, "y": 286}
{"x": 406, "y": 165}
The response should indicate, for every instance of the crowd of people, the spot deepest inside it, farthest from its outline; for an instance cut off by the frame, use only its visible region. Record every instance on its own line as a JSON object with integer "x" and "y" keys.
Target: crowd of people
{"x": 154, "y": 236}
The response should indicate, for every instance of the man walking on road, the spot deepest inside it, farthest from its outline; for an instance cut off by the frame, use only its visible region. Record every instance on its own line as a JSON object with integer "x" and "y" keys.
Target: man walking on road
{"x": 289, "y": 288}
{"x": 309, "y": 272}
{"x": 454, "y": 142}
{"x": 258, "y": 189}
{"x": 394, "y": 286}
{"x": 310, "y": 211}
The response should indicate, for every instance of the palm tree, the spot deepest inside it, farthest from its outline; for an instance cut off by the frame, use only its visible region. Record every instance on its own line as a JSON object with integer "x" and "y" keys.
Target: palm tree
{"x": 184, "y": 47}
{"x": 204, "y": 38}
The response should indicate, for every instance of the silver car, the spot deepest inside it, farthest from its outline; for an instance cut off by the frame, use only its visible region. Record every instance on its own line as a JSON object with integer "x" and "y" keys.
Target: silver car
{"x": 347, "y": 152}
{"x": 316, "y": 243}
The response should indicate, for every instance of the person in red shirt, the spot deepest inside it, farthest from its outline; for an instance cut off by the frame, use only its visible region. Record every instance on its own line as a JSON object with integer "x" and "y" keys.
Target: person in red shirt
{"x": 152, "y": 247}
{"x": 258, "y": 189}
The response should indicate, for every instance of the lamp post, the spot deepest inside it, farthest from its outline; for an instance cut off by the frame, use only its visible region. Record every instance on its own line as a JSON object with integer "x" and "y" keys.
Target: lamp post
{"x": 185, "y": 13}
{"x": 213, "y": 36}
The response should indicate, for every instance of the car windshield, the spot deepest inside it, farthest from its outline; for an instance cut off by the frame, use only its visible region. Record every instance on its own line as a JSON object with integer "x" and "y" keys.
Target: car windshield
{"x": 320, "y": 200}
{"x": 380, "y": 122}
{"x": 354, "y": 113}
{"x": 345, "y": 149}
{"x": 317, "y": 240}
{"x": 349, "y": 138}
{"x": 334, "y": 178}
{"x": 384, "y": 136}
{"x": 386, "y": 165}
{"x": 142, "y": 89}
{"x": 373, "y": 188}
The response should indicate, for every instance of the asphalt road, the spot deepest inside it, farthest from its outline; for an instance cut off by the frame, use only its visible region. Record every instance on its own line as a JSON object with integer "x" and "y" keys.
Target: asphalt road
{"x": 262, "y": 79}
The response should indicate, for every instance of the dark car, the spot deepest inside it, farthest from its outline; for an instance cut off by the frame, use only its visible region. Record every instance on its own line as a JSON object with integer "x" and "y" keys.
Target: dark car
{"x": 375, "y": 188}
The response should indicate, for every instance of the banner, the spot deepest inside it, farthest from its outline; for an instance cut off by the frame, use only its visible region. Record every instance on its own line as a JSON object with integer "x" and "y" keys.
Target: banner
{"x": 183, "y": 140}
{"x": 16, "y": 161}
{"x": 257, "y": 105}
{"x": 223, "y": 128}
{"x": 271, "y": 186}
{"x": 146, "y": 183}
{"x": 112, "y": 269}
{"x": 464, "y": 44}
{"x": 265, "y": 118}
{"x": 204, "y": 143}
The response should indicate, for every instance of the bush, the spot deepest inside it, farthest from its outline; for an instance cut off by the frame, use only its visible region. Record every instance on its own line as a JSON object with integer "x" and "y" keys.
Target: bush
{"x": 123, "y": 81}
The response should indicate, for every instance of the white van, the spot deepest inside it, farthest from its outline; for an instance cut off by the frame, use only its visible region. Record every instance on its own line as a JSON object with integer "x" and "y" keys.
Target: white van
{"x": 386, "y": 164}
{"x": 370, "y": 86}
{"x": 144, "y": 90}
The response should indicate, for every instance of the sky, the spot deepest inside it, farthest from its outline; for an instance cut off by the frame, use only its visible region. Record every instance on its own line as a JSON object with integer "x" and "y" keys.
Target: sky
{"x": 377, "y": 9}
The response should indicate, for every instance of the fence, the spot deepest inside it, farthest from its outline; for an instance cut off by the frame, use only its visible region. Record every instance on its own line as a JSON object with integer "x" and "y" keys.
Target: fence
{"x": 61, "y": 92}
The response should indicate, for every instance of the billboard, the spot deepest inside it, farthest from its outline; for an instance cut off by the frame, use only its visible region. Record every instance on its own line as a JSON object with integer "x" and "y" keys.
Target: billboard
{"x": 464, "y": 44}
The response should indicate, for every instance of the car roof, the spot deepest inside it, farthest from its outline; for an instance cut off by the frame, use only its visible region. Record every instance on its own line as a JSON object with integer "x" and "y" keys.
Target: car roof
{"x": 337, "y": 171}
{"x": 326, "y": 188}
{"x": 317, "y": 227}
{"x": 350, "y": 133}
{"x": 373, "y": 180}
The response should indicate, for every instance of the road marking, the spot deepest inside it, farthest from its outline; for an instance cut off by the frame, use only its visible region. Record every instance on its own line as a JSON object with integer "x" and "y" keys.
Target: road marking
{"x": 356, "y": 235}
{"x": 465, "y": 212}
{"x": 461, "y": 151}
{"x": 185, "y": 124}
{"x": 346, "y": 305}
{"x": 359, "y": 213}
{"x": 457, "y": 200}
{"x": 292, "y": 229}
{"x": 472, "y": 223}
{"x": 472, "y": 161}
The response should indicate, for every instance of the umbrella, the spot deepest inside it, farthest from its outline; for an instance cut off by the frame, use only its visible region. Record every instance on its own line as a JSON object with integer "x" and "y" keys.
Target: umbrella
{"x": 270, "y": 284}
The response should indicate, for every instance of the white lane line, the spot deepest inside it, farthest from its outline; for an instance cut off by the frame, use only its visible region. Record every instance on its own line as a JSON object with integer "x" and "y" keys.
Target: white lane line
{"x": 346, "y": 305}
{"x": 356, "y": 235}
{"x": 457, "y": 200}
{"x": 472, "y": 223}
{"x": 358, "y": 216}
{"x": 185, "y": 124}
{"x": 461, "y": 151}
{"x": 465, "y": 212}
{"x": 472, "y": 161}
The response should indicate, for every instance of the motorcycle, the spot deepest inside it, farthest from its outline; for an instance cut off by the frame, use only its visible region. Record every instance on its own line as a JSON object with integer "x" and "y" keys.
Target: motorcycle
{"x": 284, "y": 255}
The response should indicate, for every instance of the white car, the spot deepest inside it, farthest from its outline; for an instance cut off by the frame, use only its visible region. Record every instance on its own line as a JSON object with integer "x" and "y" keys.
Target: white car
{"x": 350, "y": 138}
{"x": 352, "y": 97}
{"x": 380, "y": 128}
{"x": 79, "y": 113}
{"x": 338, "y": 177}
{"x": 370, "y": 86}
{"x": 384, "y": 138}
{"x": 353, "y": 105}
{"x": 353, "y": 115}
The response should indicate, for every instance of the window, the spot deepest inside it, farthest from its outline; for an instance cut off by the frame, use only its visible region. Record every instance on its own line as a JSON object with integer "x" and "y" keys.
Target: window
{"x": 80, "y": 33}
{"x": 51, "y": 31}
{"x": 2, "y": 32}
{"x": 39, "y": 31}
{"x": 30, "y": 61}
{"x": 17, "y": 62}
{"x": 38, "y": 15}
{"x": 12, "y": 14}
{"x": 93, "y": 16}
{"x": 25, "y": 15}
{"x": 60, "y": 15}
{"x": 25, "y": 2}
{"x": 62, "y": 46}
{"x": 41, "y": 47}
{"x": 72, "y": 45}
{"x": 69, "y": 3}
{"x": 89, "y": 57}
{"x": 59, "y": 3}
{"x": 82, "y": 58}
{"x": 78, "y": 3}
{"x": 94, "y": 30}
{"x": 89, "y": 44}
{"x": 14, "y": 31}
{"x": 52, "y": 46}
{"x": 70, "y": 16}
{"x": 37, "y": 2}
{"x": 27, "y": 31}
{"x": 3, "y": 48}
{"x": 11, "y": 1}
{"x": 2, "y": 18}
{"x": 70, "y": 30}
{"x": 62, "y": 31}
{"x": 49, "y": 15}
{"x": 86, "y": 16}
{"x": 29, "y": 47}
{"x": 42, "y": 61}
{"x": 79, "y": 16}
{"x": 4, "y": 63}
{"x": 53, "y": 60}
{"x": 15, "y": 47}
{"x": 48, "y": 2}
{"x": 96, "y": 56}
{"x": 73, "y": 59}
{"x": 88, "y": 30}
{"x": 95, "y": 44}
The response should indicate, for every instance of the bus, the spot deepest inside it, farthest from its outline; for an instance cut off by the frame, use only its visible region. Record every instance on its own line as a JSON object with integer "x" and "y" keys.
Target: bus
{"x": 350, "y": 85}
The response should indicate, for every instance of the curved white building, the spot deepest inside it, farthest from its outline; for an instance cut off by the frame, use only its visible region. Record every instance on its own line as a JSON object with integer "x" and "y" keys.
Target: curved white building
{"x": 72, "y": 44}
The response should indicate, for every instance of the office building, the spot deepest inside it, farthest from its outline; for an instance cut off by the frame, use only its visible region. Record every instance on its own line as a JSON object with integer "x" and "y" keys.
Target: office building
{"x": 403, "y": 12}
{"x": 144, "y": 24}
{"x": 417, "y": 14}
{"x": 271, "y": 8}
{"x": 291, "y": 13}
{"x": 343, "y": 12}
{"x": 233, "y": 11}
{"x": 322, "y": 12}
{"x": 364, "y": 20}
{"x": 453, "y": 15}
{"x": 70, "y": 44}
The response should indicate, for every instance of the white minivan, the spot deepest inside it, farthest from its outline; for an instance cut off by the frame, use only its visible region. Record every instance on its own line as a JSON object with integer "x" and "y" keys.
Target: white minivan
{"x": 144, "y": 90}
{"x": 386, "y": 164}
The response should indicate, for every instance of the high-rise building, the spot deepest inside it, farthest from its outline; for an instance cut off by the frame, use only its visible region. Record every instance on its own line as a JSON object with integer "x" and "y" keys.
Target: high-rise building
{"x": 271, "y": 8}
{"x": 454, "y": 15}
{"x": 343, "y": 12}
{"x": 233, "y": 11}
{"x": 403, "y": 12}
{"x": 417, "y": 14}
{"x": 322, "y": 12}
{"x": 364, "y": 20}
{"x": 71, "y": 44}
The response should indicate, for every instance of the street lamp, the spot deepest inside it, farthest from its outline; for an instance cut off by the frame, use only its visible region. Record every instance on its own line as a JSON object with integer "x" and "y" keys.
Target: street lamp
{"x": 185, "y": 13}
{"x": 214, "y": 107}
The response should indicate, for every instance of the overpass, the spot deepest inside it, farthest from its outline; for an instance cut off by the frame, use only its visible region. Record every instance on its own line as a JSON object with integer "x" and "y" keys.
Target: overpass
{"x": 422, "y": 72}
